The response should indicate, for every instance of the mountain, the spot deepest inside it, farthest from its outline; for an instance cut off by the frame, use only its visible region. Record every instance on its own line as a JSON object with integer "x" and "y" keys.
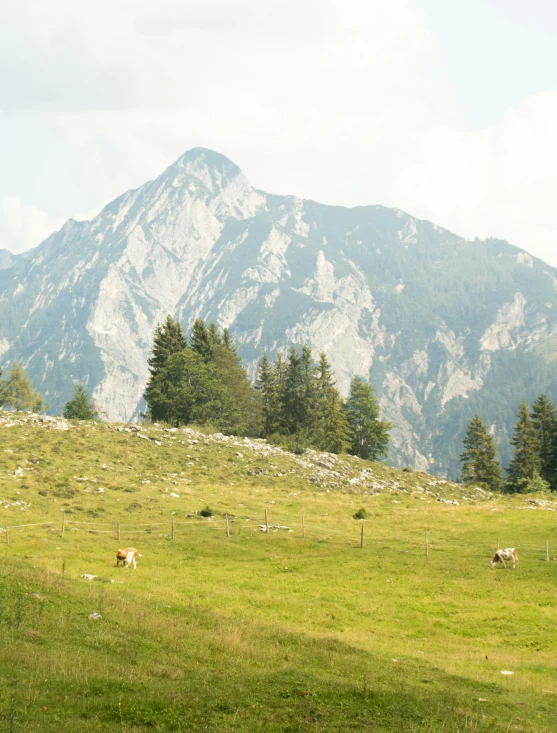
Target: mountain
{"x": 442, "y": 326}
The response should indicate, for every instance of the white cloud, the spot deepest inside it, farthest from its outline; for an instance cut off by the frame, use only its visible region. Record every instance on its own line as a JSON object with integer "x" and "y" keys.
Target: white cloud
{"x": 23, "y": 226}
{"x": 343, "y": 101}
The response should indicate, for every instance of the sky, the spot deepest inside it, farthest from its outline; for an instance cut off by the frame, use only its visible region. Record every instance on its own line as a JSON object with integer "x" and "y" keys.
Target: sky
{"x": 445, "y": 109}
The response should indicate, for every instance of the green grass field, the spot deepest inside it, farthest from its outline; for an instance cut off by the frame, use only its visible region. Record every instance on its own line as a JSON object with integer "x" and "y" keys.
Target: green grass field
{"x": 262, "y": 632}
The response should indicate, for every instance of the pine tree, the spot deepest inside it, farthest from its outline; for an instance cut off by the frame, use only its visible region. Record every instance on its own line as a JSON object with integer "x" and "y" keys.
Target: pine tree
{"x": 479, "y": 460}
{"x": 331, "y": 428}
{"x": 168, "y": 339}
{"x": 200, "y": 340}
{"x": 267, "y": 388}
{"x": 544, "y": 420}
{"x": 18, "y": 392}
{"x": 246, "y": 418}
{"x": 80, "y": 407}
{"x": 334, "y": 433}
{"x": 227, "y": 341}
{"x": 292, "y": 406}
{"x": 187, "y": 389}
{"x": 280, "y": 367}
{"x": 526, "y": 461}
{"x": 214, "y": 335}
{"x": 371, "y": 435}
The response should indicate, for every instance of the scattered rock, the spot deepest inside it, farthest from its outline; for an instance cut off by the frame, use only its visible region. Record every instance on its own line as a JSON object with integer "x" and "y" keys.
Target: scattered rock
{"x": 95, "y": 616}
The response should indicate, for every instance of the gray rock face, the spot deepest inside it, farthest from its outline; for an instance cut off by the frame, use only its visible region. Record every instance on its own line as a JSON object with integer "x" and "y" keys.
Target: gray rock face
{"x": 442, "y": 326}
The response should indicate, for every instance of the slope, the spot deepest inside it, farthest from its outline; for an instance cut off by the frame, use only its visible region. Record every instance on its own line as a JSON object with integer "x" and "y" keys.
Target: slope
{"x": 257, "y": 631}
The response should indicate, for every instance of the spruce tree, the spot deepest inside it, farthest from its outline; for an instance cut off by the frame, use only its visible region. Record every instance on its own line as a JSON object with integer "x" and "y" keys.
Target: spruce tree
{"x": 18, "y": 392}
{"x": 80, "y": 407}
{"x": 331, "y": 431}
{"x": 526, "y": 461}
{"x": 227, "y": 341}
{"x": 168, "y": 339}
{"x": 280, "y": 367}
{"x": 246, "y": 415}
{"x": 333, "y": 434}
{"x": 544, "y": 420}
{"x": 293, "y": 409}
{"x": 267, "y": 388}
{"x": 200, "y": 340}
{"x": 479, "y": 460}
{"x": 187, "y": 389}
{"x": 371, "y": 435}
{"x": 214, "y": 335}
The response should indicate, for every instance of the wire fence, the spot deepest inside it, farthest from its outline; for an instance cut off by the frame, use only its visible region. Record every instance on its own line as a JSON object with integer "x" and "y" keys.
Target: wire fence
{"x": 361, "y": 536}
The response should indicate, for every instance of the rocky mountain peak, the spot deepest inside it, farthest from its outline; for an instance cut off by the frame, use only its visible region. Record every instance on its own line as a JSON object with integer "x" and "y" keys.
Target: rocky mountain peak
{"x": 442, "y": 327}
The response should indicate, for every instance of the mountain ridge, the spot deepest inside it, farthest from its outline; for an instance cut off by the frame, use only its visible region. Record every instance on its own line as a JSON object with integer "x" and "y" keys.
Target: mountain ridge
{"x": 429, "y": 317}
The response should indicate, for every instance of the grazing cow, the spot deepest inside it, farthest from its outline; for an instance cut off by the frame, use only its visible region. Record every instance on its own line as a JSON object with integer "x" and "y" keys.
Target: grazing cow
{"x": 127, "y": 556}
{"x": 510, "y": 553}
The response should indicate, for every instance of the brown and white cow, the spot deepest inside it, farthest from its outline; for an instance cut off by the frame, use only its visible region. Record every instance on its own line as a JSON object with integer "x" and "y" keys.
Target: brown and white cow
{"x": 126, "y": 556}
{"x": 510, "y": 553}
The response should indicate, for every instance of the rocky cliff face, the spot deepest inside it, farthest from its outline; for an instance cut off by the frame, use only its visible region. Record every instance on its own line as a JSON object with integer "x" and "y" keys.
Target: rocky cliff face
{"x": 442, "y": 326}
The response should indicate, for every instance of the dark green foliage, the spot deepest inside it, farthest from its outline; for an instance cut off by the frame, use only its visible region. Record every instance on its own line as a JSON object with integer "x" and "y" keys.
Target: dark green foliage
{"x": 526, "y": 461}
{"x": 214, "y": 335}
{"x": 245, "y": 412}
{"x": 80, "y": 407}
{"x": 189, "y": 390}
{"x": 206, "y": 512}
{"x": 370, "y": 434}
{"x": 168, "y": 339}
{"x": 268, "y": 389}
{"x": 544, "y": 420}
{"x": 200, "y": 340}
{"x": 17, "y": 393}
{"x": 360, "y": 514}
{"x": 331, "y": 428}
{"x": 479, "y": 460}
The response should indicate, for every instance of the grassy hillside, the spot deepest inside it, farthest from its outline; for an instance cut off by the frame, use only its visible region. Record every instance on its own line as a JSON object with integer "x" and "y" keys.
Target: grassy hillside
{"x": 255, "y": 631}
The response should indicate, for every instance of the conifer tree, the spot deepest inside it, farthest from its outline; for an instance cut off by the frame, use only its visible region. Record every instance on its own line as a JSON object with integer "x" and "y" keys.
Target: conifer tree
{"x": 227, "y": 341}
{"x": 214, "y": 335}
{"x": 189, "y": 390}
{"x": 168, "y": 339}
{"x": 245, "y": 405}
{"x": 371, "y": 435}
{"x": 18, "y": 392}
{"x": 292, "y": 407}
{"x": 332, "y": 430}
{"x": 526, "y": 461}
{"x": 333, "y": 434}
{"x": 200, "y": 340}
{"x": 544, "y": 420}
{"x": 80, "y": 407}
{"x": 479, "y": 460}
{"x": 267, "y": 388}
{"x": 280, "y": 367}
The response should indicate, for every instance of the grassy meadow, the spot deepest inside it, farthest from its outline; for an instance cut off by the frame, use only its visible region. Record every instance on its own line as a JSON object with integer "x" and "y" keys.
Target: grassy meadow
{"x": 289, "y": 631}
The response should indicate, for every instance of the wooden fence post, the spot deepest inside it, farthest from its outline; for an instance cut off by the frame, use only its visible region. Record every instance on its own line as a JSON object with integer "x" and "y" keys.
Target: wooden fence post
{"x": 118, "y": 530}
{"x": 7, "y": 536}
{"x": 63, "y": 522}
{"x": 227, "y": 527}
{"x": 497, "y": 544}
{"x": 426, "y": 545}
{"x": 547, "y": 551}
{"x": 362, "y": 536}
{"x": 266, "y": 522}
{"x": 303, "y": 527}
{"x": 172, "y": 527}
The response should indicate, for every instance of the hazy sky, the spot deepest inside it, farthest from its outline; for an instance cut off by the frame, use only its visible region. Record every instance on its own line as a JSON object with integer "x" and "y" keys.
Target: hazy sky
{"x": 445, "y": 109}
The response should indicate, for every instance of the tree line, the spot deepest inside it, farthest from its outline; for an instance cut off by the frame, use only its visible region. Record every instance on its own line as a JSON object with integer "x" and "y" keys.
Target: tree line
{"x": 293, "y": 401}
{"x": 533, "y": 467}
